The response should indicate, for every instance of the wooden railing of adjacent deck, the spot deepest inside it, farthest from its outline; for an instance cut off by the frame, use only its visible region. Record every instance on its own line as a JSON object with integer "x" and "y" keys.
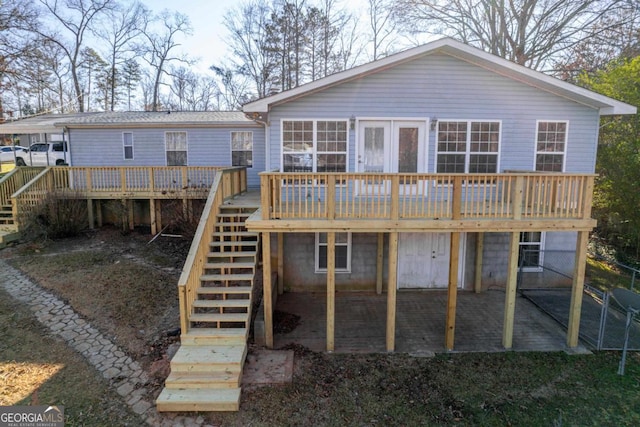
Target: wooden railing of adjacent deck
{"x": 14, "y": 180}
{"x": 152, "y": 182}
{"x": 426, "y": 196}
{"x": 226, "y": 184}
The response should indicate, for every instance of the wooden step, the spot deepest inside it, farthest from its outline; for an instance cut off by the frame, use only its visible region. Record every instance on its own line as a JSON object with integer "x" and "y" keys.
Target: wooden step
{"x": 209, "y": 358}
{"x": 237, "y": 254}
{"x": 237, "y": 243}
{"x": 219, "y": 317}
{"x": 222, "y": 303}
{"x": 235, "y": 264}
{"x": 238, "y": 234}
{"x": 234, "y": 215}
{"x": 220, "y": 290}
{"x": 201, "y": 399}
{"x": 185, "y": 380}
{"x": 214, "y": 336}
{"x": 226, "y": 277}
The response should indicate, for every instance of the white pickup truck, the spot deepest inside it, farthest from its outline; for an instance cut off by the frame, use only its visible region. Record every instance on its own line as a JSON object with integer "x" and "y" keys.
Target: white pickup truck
{"x": 44, "y": 154}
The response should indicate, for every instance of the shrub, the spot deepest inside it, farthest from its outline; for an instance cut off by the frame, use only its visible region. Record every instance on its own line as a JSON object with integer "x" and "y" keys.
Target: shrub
{"x": 56, "y": 215}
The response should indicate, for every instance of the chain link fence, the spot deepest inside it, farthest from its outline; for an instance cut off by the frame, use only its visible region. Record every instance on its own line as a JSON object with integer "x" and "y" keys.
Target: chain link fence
{"x": 545, "y": 278}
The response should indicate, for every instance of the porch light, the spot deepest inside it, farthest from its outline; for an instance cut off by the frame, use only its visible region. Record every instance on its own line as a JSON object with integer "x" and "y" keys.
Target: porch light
{"x": 433, "y": 122}
{"x": 352, "y": 122}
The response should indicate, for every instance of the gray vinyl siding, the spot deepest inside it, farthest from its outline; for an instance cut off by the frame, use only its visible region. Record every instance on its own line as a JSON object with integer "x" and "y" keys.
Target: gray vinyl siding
{"x": 448, "y": 88}
{"x": 205, "y": 147}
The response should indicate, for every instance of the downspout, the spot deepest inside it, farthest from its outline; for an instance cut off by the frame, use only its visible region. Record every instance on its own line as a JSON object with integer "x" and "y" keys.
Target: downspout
{"x": 263, "y": 119}
{"x": 66, "y": 145}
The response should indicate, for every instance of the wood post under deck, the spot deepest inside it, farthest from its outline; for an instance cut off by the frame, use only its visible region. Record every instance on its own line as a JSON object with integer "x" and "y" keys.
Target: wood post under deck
{"x": 331, "y": 290}
{"x": 280, "y": 263}
{"x": 452, "y": 293}
{"x": 391, "y": 291}
{"x": 573, "y": 329}
{"x": 477, "y": 281}
{"x": 379, "y": 266}
{"x": 266, "y": 289}
{"x": 510, "y": 291}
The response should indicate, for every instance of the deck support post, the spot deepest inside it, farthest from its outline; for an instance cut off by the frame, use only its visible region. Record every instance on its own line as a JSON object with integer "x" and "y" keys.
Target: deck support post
{"x": 158, "y": 207}
{"x": 99, "y": 212}
{"x": 379, "y": 266}
{"x": 392, "y": 285}
{"x": 577, "y": 288}
{"x": 90, "y": 214}
{"x": 152, "y": 216}
{"x": 477, "y": 282}
{"x": 331, "y": 290}
{"x": 510, "y": 292}
{"x": 267, "y": 289}
{"x": 130, "y": 206}
{"x": 452, "y": 291}
{"x": 280, "y": 263}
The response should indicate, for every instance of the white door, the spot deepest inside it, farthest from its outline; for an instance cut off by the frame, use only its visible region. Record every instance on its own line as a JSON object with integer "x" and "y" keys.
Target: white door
{"x": 423, "y": 260}
{"x": 391, "y": 146}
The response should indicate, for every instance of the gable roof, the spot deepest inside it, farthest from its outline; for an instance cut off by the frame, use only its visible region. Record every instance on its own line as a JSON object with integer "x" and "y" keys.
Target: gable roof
{"x": 54, "y": 123}
{"x": 448, "y": 46}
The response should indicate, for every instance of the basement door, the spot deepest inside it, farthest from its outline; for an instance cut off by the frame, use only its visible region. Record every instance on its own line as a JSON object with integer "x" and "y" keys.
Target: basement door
{"x": 423, "y": 260}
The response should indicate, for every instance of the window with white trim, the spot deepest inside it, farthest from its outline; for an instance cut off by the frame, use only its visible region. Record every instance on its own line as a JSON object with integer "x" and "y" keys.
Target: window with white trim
{"x": 176, "y": 148}
{"x": 127, "y": 145}
{"x": 314, "y": 145}
{"x": 468, "y": 146}
{"x": 551, "y": 145}
{"x": 531, "y": 250}
{"x": 242, "y": 149}
{"x": 343, "y": 252}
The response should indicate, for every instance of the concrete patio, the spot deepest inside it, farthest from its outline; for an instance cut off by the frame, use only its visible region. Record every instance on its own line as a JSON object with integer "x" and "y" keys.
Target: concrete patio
{"x": 420, "y": 324}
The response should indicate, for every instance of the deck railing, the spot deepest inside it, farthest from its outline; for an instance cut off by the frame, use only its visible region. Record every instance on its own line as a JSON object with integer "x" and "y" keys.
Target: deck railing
{"x": 15, "y": 179}
{"x": 153, "y": 182}
{"x": 425, "y": 196}
{"x": 226, "y": 184}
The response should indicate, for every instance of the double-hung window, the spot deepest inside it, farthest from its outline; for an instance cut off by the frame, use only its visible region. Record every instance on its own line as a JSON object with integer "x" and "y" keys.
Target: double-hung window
{"x": 342, "y": 252}
{"x": 468, "y": 147}
{"x": 551, "y": 146}
{"x": 314, "y": 145}
{"x": 176, "y": 148}
{"x": 127, "y": 145}
{"x": 242, "y": 149}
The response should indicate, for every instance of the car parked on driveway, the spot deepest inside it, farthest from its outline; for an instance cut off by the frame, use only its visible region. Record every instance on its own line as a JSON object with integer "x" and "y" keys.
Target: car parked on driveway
{"x": 44, "y": 154}
{"x": 6, "y": 152}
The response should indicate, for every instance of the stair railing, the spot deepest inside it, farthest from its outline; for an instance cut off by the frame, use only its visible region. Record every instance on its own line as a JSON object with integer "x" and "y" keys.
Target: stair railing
{"x": 227, "y": 183}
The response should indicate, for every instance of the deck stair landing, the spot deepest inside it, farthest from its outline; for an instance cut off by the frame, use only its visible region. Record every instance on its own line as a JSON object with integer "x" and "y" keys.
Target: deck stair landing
{"x": 8, "y": 228}
{"x": 207, "y": 369}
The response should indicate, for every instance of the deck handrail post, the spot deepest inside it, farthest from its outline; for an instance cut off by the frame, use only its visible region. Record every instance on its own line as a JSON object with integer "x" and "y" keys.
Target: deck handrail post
{"x": 587, "y": 198}
{"x": 152, "y": 182}
{"x": 331, "y": 197}
{"x": 456, "y": 205}
{"x": 518, "y": 191}
{"x": 395, "y": 197}
{"x": 265, "y": 193}
{"x": 123, "y": 179}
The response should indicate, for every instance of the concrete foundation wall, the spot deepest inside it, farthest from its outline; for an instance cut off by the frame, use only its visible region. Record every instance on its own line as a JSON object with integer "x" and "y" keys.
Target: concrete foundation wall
{"x": 496, "y": 257}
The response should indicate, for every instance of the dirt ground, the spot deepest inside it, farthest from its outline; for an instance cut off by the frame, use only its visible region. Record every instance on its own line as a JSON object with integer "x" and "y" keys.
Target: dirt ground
{"x": 124, "y": 285}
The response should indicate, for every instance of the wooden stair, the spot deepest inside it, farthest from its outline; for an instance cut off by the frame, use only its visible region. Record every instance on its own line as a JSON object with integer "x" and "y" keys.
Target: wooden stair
{"x": 207, "y": 369}
{"x": 8, "y": 229}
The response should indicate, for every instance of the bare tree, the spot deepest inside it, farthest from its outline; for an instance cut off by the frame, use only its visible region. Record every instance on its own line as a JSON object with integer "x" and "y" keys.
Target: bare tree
{"x": 74, "y": 18}
{"x": 232, "y": 88}
{"x": 120, "y": 28}
{"x": 15, "y": 42}
{"x": 528, "y": 32}
{"x": 249, "y": 42}
{"x": 160, "y": 46}
{"x": 382, "y": 26}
